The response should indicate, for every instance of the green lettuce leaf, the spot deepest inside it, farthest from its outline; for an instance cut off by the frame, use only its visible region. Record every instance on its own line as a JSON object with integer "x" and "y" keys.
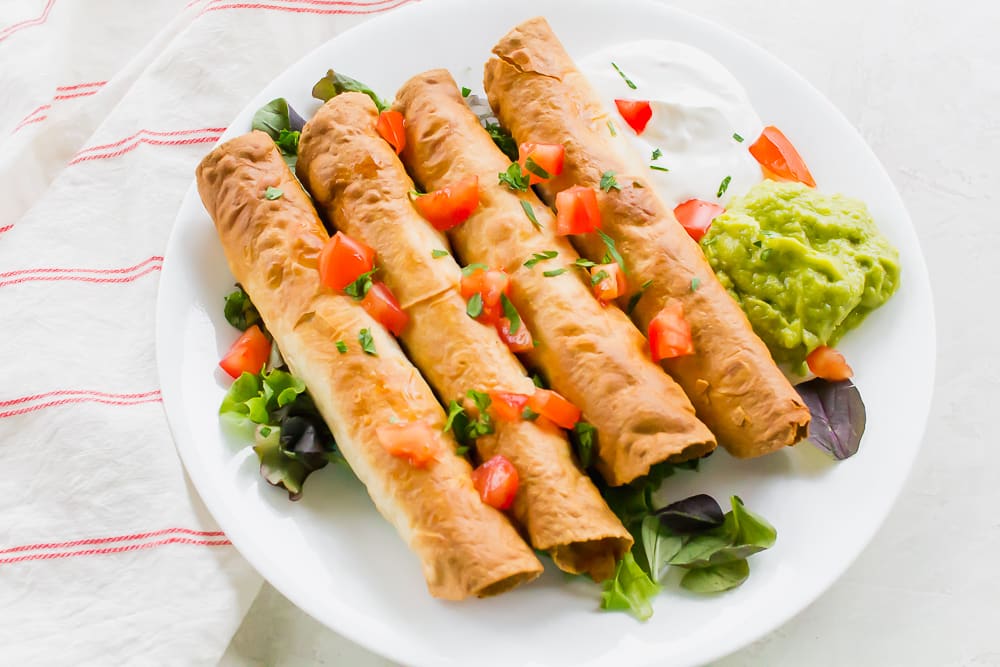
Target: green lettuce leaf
{"x": 630, "y": 589}
{"x": 280, "y": 121}
{"x": 716, "y": 578}
{"x": 659, "y": 545}
{"x": 239, "y": 310}
{"x": 334, "y": 84}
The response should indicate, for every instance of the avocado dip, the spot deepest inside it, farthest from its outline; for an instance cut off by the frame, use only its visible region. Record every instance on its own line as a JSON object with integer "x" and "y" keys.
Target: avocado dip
{"x": 805, "y": 266}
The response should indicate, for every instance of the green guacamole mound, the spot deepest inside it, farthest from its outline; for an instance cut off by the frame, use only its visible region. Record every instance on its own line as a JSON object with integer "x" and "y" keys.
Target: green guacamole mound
{"x": 805, "y": 266}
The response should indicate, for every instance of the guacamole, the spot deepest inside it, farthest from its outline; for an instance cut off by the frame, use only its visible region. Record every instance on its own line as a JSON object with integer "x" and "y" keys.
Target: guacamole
{"x": 805, "y": 266}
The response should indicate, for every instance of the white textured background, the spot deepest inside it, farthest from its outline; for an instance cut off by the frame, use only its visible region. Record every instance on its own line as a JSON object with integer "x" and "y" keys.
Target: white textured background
{"x": 921, "y": 81}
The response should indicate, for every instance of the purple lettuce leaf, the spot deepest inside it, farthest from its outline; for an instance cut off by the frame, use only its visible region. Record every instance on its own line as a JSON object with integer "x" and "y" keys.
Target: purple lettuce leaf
{"x": 838, "y": 416}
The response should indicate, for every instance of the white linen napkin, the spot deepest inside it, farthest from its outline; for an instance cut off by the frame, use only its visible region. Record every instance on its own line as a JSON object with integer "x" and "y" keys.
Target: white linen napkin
{"x": 107, "y": 556}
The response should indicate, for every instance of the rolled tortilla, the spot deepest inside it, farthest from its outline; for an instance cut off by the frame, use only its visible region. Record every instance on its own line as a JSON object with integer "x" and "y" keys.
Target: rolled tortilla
{"x": 272, "y": 247}
{"x": 362, "y": 189}
{"x": 590, "y": 353}
{"x": 538, "y": 94}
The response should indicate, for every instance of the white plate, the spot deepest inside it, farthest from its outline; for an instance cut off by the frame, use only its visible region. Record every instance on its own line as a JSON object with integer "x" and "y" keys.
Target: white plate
{"x": 336, "y": 558}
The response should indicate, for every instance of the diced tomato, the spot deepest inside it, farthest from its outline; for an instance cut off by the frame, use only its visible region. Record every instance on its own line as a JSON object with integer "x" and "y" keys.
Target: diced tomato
{"x": 490, "y": 284}
{"x": 392, "y": 127}
{"x": 517, "y": 342}
{"x": 825, "y": 362}
{"x": 577, "y": 211}
{"x": 779, "y": 158}
{"x": 496, "y": 480}
{"x": 413, "y": 441}
{"x": 450, "y": 206}
{"x": 382, "y": 305}
{"x": 553, "y": 406}
{"x": 611, "y": 285}
{"x": 342, "y": 260}
{"x": 507, "y": 406}
{"x": 249, "y": 353}
{"x": 670, "y": 333}
{"x": 547, "y": 156}
{"x": 696, "y": 216}
{"x": 635, "y": 112}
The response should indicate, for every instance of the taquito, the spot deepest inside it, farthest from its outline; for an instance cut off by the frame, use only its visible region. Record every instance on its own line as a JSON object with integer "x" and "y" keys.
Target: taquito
{"x": 362, "y": 189}
{"x": 590, "y": 353}
{"x": 539, "y": 95}
{"x": 272, "y": 246}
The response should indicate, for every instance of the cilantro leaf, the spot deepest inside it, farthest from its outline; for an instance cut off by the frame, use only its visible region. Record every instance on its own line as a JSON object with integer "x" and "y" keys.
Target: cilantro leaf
{"x": 554, "y": 272}
{"x": 341, "y": 347}
{"x": 611, "y": 128}
{"x": 535, "y": 169}
{"x": 695, "y": 283}
{"x": 657, "y": 153}
{"x": 612, "y": 253}
{"x": 609, "y": 182}
{"x": 334, "y": 84}
{"x": 584, "y": 436}
{"x": 633, "y": 300}
{"x": 530, "y": 212}
{"x": 367, "y": 343}
{"x": 583, "y": 263}
{"x": 510, "y": 312}
{"x": 437, "y": 253}
{"x": 288, "y": 141}
{"x": 474, "y": 308}
{"x": 656, "y": 167}
{"x": 472, "y": 268}
{"x": 540, "y": 257}
{"x": 502, "y": 139}
{"x": 598, "y": 277}
{"x": 514, "y": 178}
{"x": 628, "y": 81}
{"x": 737, "y": 137}
{"x": 466, "y": 91}
{"x": 723, "y": 186}
{"x": 358, "y": 290}
{"x": 528, "y": 414}
{"x": 272, "y": 193}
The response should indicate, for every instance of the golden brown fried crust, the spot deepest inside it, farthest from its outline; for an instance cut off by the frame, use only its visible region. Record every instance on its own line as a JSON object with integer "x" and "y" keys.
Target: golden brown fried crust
{"x": 538, "y": 94}
{"x": 591, "y": 354}
{"x": 558, "y": 506}
{"x": 272, "y": 247}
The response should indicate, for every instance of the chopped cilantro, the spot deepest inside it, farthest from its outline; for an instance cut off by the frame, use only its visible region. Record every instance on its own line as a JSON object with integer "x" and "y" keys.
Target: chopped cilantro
{"x": 359, "y": 288}
{"x": 628, "y": 81}
{"x": 514, "y": 178}
{"x": 341, "y": 347}
{"x": 737, "y": 137}
{"x": 656, "y": 167}
{"x": 466, "y": 91}
{"x": 530, "y": 212}
{"x": 273, "y": 193}
{"x": 367, "y": 344}
{"x": 510, "y": 312}
{"x": 609, "y": 182}
{"x": 288, "y": 141}
{"x": 723, "y": 186}
{"x": 502, "y": 139}
{"x": 553, "y": 273}
{"x": 474, "y": 308}
{"x": 634, "y": 299}
{"x": 539, "y": 381}
{"x": 584, "y": 435}
{"x": 598, "y": 277}
{"x": 437, "y": 253}
{"x": 657, "y": 154}
{"x": 583, "y": 263}
{"x": 535, "y": 169}
{"x": 540, "y": 257}
{"x": 472, "y": 268}
{"x": 695, "y": 282}
{"x": 528, "y": 414}
{"x": 612, "y": 255}
{"x": 611, "y": 128}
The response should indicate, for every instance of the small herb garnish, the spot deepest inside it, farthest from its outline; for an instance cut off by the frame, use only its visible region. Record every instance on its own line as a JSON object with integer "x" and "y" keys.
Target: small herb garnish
{"x": 273, "y": 193}
{"x": 695, "y": 283}
{"x": 454, "y": 410}
{"x": 583, "y": 263}
{"x": 341, "y": 347}
{"x": 288, "y": 141}
{"x": 535, "y": 169}
{"x": 367, "y": 344}
{"x": 474, "y": 308}
{"x": 611, "y": 128}
{"x": 438, "y": 253}
{"x": 553, "y": 273}
{"x": 540, "y": 257}
{"x": 502, "y": 139}
{"x": 359, "y": 288}
{"x": 514, "y": 178}
{"x": 609, "y": 182}
{"x": 634, "y": 299}
{"x": 530, "y": 212}
{"x": 656, "y": 167}
{"x": 584, "y": 435}
{"x": 528, "y": 414}
{"x": 598, "y": 277}
{"x": 466, "y": 91}
{"x": 483, "y": 425}
{"x": 628, "y": 81}
{"x": 539, "y": 382}
{"x": 657, "y": 154}
{"x": 510, "y": 312}
{"x": 612, "y": 255}
{"x": 472, "y": 268}
{"x": 737, "y": 137}
{"x": 723, "y": 186}
{"x": 239, "y": 310}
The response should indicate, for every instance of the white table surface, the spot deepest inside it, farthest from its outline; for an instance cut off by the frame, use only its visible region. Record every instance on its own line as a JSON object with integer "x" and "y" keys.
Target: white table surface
{"x": 921, "y": 81}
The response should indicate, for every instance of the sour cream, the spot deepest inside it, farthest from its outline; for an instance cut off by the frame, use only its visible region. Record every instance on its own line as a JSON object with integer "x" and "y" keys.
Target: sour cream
{"x": 698, "y": 109}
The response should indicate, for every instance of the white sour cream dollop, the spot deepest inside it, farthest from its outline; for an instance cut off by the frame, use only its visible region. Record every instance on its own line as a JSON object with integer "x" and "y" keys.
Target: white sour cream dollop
{"x": 698, "y": 106}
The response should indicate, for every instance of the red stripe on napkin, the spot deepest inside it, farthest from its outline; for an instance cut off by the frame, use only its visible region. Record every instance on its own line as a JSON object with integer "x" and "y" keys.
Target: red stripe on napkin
{"x": 10, "y": 30}
{"x": 133, "y": 141}
{"x": 53, "y": 555}
{"x": 334, "y": 9}
{"x": 82, "y": 397}
{"x": 111, "y": 540}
